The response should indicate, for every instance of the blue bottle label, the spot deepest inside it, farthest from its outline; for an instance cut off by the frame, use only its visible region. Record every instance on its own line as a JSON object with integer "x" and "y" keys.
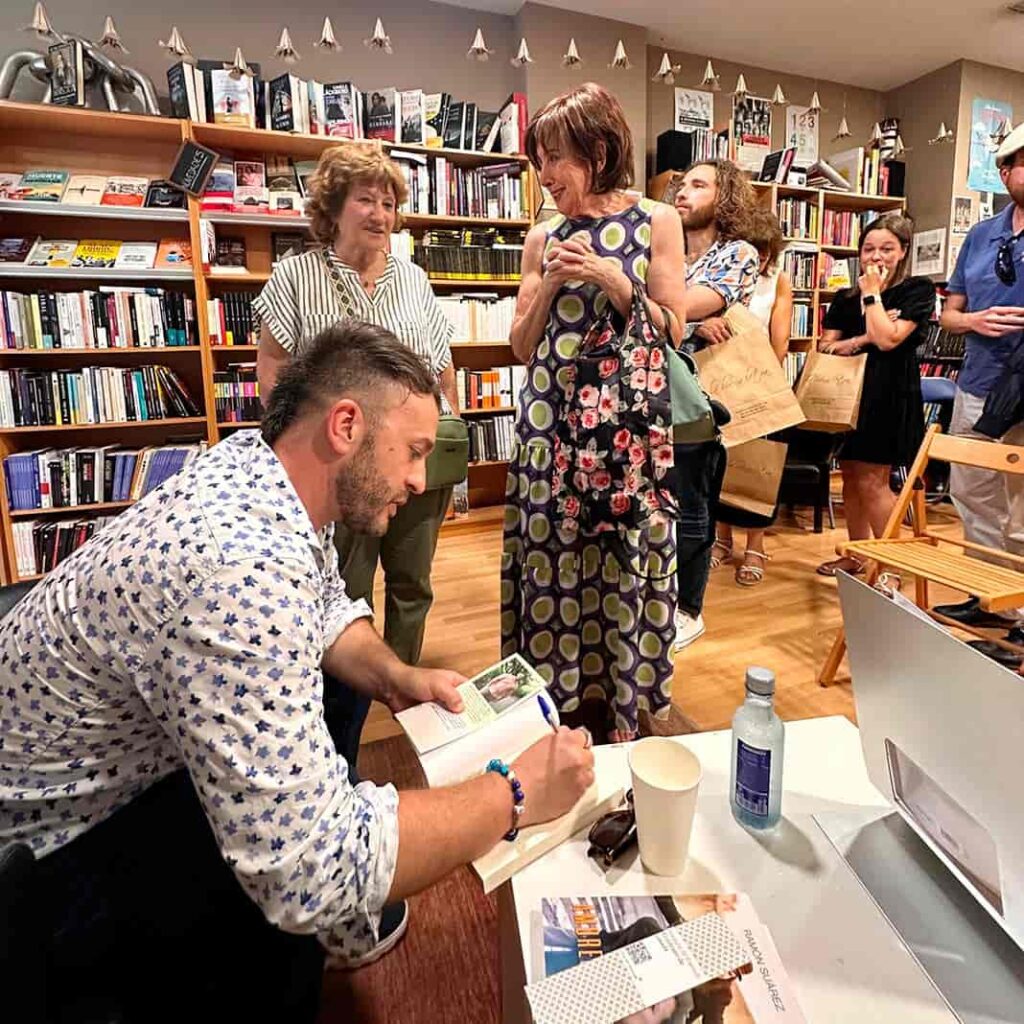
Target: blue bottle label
{"x": 753, "y": 778}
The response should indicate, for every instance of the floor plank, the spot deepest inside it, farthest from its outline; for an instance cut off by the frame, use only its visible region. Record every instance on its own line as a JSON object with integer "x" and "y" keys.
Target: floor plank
{"x": 787, "y": 623}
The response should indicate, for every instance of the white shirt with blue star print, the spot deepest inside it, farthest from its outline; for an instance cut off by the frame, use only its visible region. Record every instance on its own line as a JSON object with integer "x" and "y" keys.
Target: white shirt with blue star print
{"x": 190, "y": 632}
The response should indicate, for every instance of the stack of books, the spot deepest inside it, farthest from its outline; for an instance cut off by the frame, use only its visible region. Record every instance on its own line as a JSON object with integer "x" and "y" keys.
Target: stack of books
{"x": 843, "y": 227}
{"x": 793, "y": 364}
{"x": 470, "y": 255}
{"x": 800, "y": 264}
{"x": 798, "y": 218}
{"x": 231, "y": 319}
{"x": 489, "y": 389}
{"x": 491, "y": 438}
{"x": 437, "y": 186}
{"x": 97, "y": 254}
{"x": 236, "y": 393}
{"x": 802, "y": 322}
{"x": 483, "y": 317}
{"x": 42, "y": 544}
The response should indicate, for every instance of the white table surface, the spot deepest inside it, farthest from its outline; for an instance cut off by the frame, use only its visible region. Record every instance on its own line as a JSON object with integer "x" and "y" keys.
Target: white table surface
{"x": 845, "y": 962}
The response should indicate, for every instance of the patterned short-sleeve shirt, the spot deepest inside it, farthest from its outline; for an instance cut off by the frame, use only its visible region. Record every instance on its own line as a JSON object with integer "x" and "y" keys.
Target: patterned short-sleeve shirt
{"x": 189, "y": 632}
{"x": 728, "y": 268}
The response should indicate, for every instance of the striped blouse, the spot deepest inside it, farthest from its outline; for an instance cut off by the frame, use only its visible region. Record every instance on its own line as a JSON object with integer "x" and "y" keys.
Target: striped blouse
{"x": 300, "y": 300}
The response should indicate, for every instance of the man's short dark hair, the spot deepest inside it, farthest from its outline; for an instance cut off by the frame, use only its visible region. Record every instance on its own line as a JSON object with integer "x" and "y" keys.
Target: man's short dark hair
{"x": 349, "y": 360}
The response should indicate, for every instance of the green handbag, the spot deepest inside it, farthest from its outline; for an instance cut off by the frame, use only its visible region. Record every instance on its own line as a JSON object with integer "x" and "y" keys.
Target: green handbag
{"x": 448, "y": 462}
{"x": 693, "y": 419}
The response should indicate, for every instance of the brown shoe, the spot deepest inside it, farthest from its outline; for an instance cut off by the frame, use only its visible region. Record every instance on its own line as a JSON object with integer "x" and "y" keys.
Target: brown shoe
{"x": 854, "y": 566}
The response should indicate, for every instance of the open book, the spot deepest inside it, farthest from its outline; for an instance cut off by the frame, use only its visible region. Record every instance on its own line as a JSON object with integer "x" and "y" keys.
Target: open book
{"x": 502, "y": 717}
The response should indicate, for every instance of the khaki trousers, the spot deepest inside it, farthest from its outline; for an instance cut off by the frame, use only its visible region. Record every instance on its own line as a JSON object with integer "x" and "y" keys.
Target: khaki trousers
{"x": 406, "y": 552}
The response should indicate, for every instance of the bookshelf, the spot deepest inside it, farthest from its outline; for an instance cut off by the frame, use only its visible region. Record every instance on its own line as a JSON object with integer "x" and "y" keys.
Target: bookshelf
{"x": 812, "y": 240}
{"x": 103, "y": 143}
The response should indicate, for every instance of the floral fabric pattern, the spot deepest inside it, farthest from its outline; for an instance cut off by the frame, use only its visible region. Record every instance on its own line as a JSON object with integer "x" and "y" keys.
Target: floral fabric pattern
{"x": 593, "y": 629}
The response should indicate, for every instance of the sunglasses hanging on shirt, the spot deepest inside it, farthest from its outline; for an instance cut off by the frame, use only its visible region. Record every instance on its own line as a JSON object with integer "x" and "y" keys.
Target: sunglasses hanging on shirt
{"x": 1006, "y": 269}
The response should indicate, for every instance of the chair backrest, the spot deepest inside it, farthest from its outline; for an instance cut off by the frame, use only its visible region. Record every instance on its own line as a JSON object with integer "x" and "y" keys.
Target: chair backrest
{"x": 11, "y": 595}
{"x": 1003, "y": 458}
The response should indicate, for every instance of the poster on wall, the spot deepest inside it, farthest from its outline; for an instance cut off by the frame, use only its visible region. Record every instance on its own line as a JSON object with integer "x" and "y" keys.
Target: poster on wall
{"x": 989, "y": 119}
{"x": 961, "y": 220}
{"x": 694, "y": 109}
{"x": 751, "y": 131}
{"x": 929, "y": 254}
{"x": 955, "y": 245}
{"x": 802, "y": 135}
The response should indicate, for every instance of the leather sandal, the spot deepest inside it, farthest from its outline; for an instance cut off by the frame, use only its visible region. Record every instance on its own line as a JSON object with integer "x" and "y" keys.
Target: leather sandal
{"x": 717, "y": 559}
{"x": 751, "y": 575}
{"x": 854, "y": 566}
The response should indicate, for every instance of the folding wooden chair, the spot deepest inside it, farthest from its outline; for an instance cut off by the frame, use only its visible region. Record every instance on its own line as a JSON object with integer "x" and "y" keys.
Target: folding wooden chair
{"x": 927, "y": 556}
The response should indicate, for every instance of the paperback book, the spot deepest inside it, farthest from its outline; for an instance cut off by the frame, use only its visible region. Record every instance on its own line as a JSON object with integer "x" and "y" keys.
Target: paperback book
{"x": 174, "y": 254}
{"x": 124, "y": 190}
{"x": 381, "y": 118}
{"x": 572, "y": 931}
{"x": 413, "y": 122}
{"x": 43, "y": 186}
{"x": 51, "y": 252}
{"x": 67, "y": 74}
{"x": 95, "y": 253}
{"x": 9, "y": 182}
{"x": 85, "y": 189}
{"x": 15, "y": 250}
{"x": 340, "y": 110}
{"x": 136, "y": 256}
{"x": 251, "y": 194}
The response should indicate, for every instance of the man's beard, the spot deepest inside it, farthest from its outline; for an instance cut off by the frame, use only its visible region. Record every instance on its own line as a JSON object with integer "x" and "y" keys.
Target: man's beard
{"x": 362, "y": 494}
{"x": 699, "y": 219}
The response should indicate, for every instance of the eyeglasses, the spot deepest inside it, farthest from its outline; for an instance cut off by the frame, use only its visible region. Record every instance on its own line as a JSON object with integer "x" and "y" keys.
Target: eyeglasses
{"x": 613, "y": 833}
{"x": 1006, "y": 269}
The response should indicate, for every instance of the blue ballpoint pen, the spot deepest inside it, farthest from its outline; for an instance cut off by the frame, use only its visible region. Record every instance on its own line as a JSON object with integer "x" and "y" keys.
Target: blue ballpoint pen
{"x": 547, "y": 712}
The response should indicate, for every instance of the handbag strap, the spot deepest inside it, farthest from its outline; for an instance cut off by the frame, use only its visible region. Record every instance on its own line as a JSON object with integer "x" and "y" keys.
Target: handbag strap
{"x": 339, "y": 286}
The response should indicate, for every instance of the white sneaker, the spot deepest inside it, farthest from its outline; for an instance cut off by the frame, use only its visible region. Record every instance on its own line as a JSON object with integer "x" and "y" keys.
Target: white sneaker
{"x": 688, "y": 629}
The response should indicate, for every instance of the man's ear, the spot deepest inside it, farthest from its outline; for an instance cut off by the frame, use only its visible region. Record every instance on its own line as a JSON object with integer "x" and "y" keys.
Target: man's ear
{"x": 345, "y": 426}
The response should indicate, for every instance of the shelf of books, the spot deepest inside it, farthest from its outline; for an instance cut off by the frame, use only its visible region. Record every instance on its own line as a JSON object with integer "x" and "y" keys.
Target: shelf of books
{"x": 126, "y": 334}
{"x": 822, "y": 228}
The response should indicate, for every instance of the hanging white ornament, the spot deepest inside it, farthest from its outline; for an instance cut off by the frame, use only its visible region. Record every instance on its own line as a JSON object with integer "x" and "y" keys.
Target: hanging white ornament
{"x": 380, "y": 40}
{"x": 667, "y": 71}
{"x": 176, "y": 47}
{"x": 40, "y": 23}
{"x": 522, "y": 58}
{"x": 620, "y": 60}
{"x": 285, "y": 50}
{"x": 710, "y": 79}
{"x": 571, "y": 57}
{"x": 779, "y": 97}
{"x": 111, "y": 38}
{"x": 815, "y": 104}
{"x": 899, "y": 148}
{"x": 740, "y": 92}
{"x": 237, "y": 68}
{"x": 478, "y": 51}
{"x": 945, "y": 135}
{"x": 876, "y": 133}
{"x": 327, "y": 40}
{"x": 844, "y": 130}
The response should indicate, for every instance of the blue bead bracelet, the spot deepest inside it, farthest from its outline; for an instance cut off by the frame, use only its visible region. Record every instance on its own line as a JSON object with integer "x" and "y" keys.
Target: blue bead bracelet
{"x": 507, "y": 772}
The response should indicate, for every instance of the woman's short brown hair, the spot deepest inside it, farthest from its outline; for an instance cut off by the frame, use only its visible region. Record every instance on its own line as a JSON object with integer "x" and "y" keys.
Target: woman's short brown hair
{"x": 588, "y": 125}
{"x": 340, "y": 168}
{"x": 765, "y": 235}
{"x": 903, "y": 228}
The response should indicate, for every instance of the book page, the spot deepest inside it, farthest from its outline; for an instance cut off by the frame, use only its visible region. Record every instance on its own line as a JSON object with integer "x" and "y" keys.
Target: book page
{"x": 487, "y": 696}
{"x": 506, "y": 738}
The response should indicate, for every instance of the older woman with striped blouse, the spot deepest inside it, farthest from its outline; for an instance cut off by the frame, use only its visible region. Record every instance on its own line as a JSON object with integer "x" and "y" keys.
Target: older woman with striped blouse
{"x": 353, "y": 201}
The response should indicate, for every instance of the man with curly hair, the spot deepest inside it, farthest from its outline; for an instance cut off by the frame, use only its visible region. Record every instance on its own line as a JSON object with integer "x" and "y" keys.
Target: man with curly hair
{"x": 714, "y": 201}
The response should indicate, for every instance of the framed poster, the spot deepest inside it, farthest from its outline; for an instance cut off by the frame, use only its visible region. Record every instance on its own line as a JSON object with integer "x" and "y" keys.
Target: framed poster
{"x": 694, "y": 109}
{"x": 802, "y": 135}
{"x": 962, "y": 219}
{"x": 929, "y": 255}
{"x": 989, "y": 119}
{"x": 751, "y": 131}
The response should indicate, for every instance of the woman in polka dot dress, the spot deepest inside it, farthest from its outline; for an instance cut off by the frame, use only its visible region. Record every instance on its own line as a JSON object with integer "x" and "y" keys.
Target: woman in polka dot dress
{"x": 600, "y": 635}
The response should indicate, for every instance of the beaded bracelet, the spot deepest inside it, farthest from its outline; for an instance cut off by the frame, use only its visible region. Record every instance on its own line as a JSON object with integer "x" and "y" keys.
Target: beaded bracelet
{"x": 506, "y": 772}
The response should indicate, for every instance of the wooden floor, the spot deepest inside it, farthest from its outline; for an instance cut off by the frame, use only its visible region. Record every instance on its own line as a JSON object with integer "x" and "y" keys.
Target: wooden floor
{"x": 787, "y": 623}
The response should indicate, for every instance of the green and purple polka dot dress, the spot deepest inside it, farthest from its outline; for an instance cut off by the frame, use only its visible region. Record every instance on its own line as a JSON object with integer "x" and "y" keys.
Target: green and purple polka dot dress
{"x": 591, "y": 629}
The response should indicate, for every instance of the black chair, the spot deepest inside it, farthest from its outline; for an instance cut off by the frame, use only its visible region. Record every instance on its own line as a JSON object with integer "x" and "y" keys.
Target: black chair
{"x": 807, "y": 473}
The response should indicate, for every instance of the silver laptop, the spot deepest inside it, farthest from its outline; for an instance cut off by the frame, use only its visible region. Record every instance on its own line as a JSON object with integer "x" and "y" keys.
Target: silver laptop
{"x": 942, "y": 729}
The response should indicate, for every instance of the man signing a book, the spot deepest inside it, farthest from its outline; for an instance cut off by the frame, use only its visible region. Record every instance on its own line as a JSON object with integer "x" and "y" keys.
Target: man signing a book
{"x": 166, "y": 752}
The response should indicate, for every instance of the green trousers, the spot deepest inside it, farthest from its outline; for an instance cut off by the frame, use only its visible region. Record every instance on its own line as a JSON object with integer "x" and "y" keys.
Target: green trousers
{"x": 406, "y": 552}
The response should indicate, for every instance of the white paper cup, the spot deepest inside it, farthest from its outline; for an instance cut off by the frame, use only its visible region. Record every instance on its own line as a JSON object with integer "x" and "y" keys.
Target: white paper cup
{"x": 665, "y": 780}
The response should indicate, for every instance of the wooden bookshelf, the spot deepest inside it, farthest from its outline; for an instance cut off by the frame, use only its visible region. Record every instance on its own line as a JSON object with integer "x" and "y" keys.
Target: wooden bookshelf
{"x": 823, "y": 200}
{"x": 101, "y": 142}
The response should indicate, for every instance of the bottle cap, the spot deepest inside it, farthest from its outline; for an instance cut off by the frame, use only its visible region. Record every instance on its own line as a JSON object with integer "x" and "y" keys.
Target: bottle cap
{"x": 761, "y": 681}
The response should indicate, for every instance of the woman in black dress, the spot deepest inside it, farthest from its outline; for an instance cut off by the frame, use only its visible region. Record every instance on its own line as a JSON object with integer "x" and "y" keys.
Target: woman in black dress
{"x": 885, "y": 316}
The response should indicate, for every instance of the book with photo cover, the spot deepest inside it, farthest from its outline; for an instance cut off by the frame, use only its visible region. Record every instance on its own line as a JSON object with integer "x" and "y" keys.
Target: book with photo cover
{"x": 174, "y": 254}
{"x": 230, "y": 256}
{"x": 580, "y": 929}
{"x": 234, "y": 99}
{"x": 287, "y": 243}
{"x": 9, "y": 181}
{"x": 67, "y": 74}
{"x": 413, "y": 128}
{"x": 340, "y": 110}
{"x": 285, "y": 101}
{"x": 164, "y": 195}
{"x": 487, "y": 126}
{"x": 251, "y": 194}
{"x": 776, "y": 165}
{"x": 42, "y": 186}
{"x": 380, "y": 116}
{"x": 455, "y": 125}
{"x": 15, "y": 250}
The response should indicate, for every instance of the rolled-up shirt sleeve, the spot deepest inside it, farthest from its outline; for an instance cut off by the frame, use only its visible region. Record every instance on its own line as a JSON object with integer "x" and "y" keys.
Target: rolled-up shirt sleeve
{"x": 236, "y": 683}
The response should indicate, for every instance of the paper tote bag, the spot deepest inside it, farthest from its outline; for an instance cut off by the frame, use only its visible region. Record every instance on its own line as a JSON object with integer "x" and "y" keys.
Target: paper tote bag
{"x": 745, "y": 376}
{"x": 829, "y": 391}
{"x": 753, "y": 476}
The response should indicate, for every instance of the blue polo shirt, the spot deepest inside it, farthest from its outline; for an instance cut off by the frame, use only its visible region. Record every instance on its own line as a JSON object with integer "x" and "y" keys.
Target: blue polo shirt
{"x": 975, "y": 277}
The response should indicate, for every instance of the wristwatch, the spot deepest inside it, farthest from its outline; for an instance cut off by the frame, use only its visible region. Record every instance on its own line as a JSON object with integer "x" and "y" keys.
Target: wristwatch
{"x": 870, "y": 300}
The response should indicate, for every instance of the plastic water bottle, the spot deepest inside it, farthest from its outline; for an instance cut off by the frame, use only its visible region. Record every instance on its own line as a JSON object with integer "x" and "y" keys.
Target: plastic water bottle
{"x": 758, "y": 737}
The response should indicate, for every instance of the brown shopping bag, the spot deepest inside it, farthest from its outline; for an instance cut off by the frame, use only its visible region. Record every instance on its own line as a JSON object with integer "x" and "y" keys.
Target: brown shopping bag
{"x": 829, "y": 391}
{"x": 753, "y": 475}
{"x": 744, "y": 375}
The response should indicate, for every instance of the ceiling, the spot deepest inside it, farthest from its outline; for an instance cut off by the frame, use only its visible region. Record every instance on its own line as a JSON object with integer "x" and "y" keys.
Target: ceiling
{"x": 860, "y": 42}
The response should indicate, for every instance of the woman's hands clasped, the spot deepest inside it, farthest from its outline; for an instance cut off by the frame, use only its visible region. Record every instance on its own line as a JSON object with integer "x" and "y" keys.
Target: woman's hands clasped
{"x": 575, "y": 260}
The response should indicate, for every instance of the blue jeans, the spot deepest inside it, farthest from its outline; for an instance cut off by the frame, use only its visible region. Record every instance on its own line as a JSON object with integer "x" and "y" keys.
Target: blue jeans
{"x": 700, "y": 470}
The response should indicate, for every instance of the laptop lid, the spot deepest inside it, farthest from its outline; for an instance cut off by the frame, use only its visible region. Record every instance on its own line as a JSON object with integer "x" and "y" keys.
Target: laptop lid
{"x": 942, "y": 730}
